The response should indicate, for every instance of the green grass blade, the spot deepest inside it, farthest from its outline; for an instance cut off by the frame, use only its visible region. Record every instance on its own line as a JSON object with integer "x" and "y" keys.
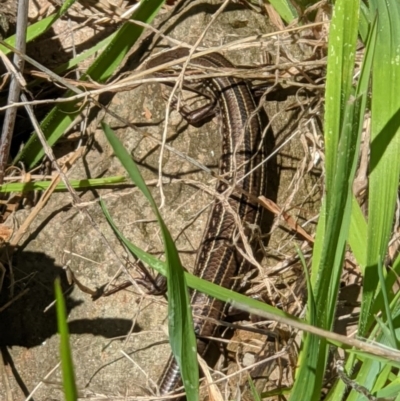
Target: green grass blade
{"x": 390, "y": 391}
{"x": 104, "y": 66}
{"x": 253, "y": 390}
{"x": 39, "y": 27}
{"x": 145, "y": 257}
{"x": 240, "y": 301}
{"x": 341, "y": 45}
{"x": 391, "y": 332}
{"x": 358, "y": 225}
{"x": 373, "y": 373}
{"x": 62, "y": 115}
{"x": 385, "y": 148}
{"x": 348, "y": 116}
{"x": 85, "y": 55}
{"x": 70, "y": 391}
{"x": 319, "y": 243}
{"x": 391, "y": 278}
{"x": 365, "y": 22}
{"x": 382, "y": 379}
{"x": 366, "y": 377}
{"x": 194, "y": 282}
{"x": 341, "y": 137}
{"x": 182, "y": 337}
{"x": 387, "y": 332}
{"x": 347, "y": 156}
{"x": 285, "y": 9}
{"x": 312, "y": 315}
{"x": 339, "y": 389}
{"x": 76, "y": 184}
{"x": 358, "y": 234}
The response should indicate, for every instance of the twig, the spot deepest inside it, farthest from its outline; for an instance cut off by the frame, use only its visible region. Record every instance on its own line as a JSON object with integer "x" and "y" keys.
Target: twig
{"x": 15, "y": 87}
{"x": 368, "y": 347}
{"x": 76, "y": 201}
{"x": 179, "y": 84}
{"x": 43, "y": 200}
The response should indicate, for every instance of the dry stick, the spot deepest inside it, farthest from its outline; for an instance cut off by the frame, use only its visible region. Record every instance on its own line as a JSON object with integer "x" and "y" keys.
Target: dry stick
{"x": 75, "y": 198}
{"x": 124, "y": 82}
{"x": 238, "y": 44}
{"x": 42, "y": 382}
{"x": 42, "y": 201}
{"x": 270, "y": 358}
{"x": 117, "y": 87}
{"x": 133, "y": 80}
{"x": 118, "y": 118}
{"x": 41, "y": 67}
{"x": 76, "y": 90}
{"x": 13, "y": 96}
{"x": 15, "y": 88}
{"x": 11, "y": 301}
{"x": 214, "y": 392}
{"x": 377, "y": 350}
{"x": 179, "y": 84}
{"x": 182, "y": 155}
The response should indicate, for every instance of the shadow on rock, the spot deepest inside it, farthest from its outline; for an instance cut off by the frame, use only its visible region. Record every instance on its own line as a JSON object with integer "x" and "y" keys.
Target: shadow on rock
{"x": 31, "y": 319}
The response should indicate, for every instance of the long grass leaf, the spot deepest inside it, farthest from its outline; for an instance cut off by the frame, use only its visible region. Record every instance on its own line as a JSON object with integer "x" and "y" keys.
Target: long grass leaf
{"x": 285, "y": 9}
{"x": 40, "y": 27}
{"x": 385, "y": 148}
{"x": 69, "y": 385}
{"x": 390, "y": 330}
{"x": 194, "y": 282}
{"x": 182, "y": 337}
{"x": 358, "y": 226}
{"x": 341, "y": 136}
{"x": 77, "y": 184}
{"x": 358, "y": 234}
{"x": 241, "y": 301}
{"x": 390, "y": 391}
{"x": 62, "y": 115}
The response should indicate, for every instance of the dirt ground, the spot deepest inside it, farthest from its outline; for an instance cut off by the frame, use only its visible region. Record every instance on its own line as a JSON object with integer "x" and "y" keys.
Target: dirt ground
{"x": 119, "y": 342}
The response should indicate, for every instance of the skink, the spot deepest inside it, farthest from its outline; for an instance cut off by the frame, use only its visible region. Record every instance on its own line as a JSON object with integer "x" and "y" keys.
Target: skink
{"x": 219, "y": 259}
